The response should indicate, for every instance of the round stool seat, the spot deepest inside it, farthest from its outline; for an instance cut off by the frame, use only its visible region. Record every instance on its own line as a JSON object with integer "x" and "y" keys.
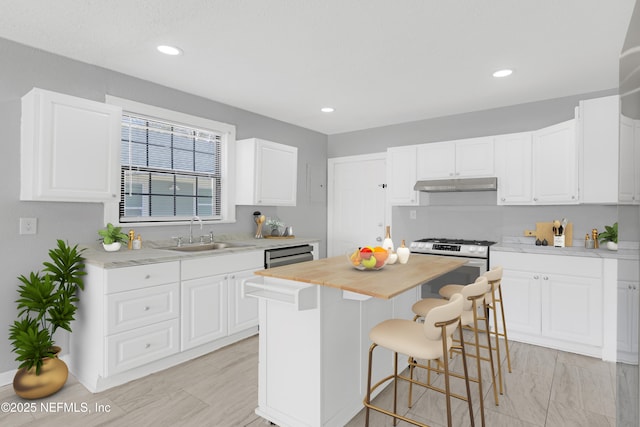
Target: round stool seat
{"x": 406, "y": 337}
{"x": 422, "y": 307}
{"x": 448, "y": 290}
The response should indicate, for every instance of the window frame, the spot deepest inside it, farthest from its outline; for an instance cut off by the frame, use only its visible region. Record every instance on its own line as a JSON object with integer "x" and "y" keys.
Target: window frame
{"x": 227, "y": 163}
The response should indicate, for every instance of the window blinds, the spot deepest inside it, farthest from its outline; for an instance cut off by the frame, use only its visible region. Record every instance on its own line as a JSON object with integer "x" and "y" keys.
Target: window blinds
{"x": 169, "y": 171}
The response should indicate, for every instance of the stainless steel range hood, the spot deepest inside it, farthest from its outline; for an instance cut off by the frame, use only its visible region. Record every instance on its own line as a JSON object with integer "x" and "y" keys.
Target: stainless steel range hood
{"x": 457, "y": 184}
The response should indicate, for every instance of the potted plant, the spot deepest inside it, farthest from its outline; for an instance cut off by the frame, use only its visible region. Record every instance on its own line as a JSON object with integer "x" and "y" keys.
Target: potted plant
{"x": 275, "y": 224}
{"x": 112, "y": 237}
{"x": 610, "y": 236}
{"x": 48, "y": 301}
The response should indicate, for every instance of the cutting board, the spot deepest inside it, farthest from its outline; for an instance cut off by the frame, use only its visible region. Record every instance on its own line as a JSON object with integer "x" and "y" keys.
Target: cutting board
{"x": 544, "y": 230}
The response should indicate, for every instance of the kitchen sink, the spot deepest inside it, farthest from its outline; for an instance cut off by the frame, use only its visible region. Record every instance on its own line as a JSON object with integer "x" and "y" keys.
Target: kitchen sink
{"x": 200, "y": 247}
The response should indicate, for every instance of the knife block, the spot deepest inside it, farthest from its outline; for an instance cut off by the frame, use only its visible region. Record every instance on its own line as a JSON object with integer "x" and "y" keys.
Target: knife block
{"x": 544, "y": 230}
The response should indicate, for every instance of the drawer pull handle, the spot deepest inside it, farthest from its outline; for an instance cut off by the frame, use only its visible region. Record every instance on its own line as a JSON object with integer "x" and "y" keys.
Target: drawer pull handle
{"x": 146, "y": 308}
{"x": 147, "y": 345}
{"x": 148, "y": 276}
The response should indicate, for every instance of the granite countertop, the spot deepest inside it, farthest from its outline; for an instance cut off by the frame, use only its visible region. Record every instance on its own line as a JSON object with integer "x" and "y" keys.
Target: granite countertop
{"x": 392, "y": 280}
{"x": 159, "y": 251}
{"x": 626, "y": 250}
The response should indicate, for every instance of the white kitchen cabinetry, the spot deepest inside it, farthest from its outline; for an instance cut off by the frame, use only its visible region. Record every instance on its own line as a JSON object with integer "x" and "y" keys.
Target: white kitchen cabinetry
{"x": 555, "y": 165}
{"x": 456, "y": 159}
{"x": 266, "y": 173}
{"x": 554, "y": 301}
{"x": 628, "y": 309}
{"x": 401, "y": 175}
{"x": 211, "y": 308}
{"x": 69, "y": 148}
{"x": 133, "y": 321}
{"x": 127, "y": 319}
{"x": 598, "y": 123}
{"x": 629, "y": 177}
{"x": 514, "y": 168}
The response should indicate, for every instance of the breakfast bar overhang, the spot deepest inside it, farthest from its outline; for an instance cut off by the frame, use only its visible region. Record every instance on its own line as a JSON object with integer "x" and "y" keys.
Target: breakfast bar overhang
{"x": 314, "y": 327}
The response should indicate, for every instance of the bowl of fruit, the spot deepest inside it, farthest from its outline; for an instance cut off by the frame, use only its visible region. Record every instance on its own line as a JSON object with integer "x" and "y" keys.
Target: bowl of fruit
{"x": 368, "y": 258}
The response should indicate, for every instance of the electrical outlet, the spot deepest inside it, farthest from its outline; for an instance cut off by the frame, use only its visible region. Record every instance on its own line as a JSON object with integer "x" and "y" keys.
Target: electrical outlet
{"x": 412, "y": 214}
{"x": 529, "y": 233}
{"x": 28, "y": 225}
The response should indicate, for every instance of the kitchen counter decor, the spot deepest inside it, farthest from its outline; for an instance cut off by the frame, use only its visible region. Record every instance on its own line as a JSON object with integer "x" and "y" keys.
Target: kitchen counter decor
{"x": 610, "y": 237}
{"x": 48, "y": 301}
{"x": 369, "y": 258}
{"x": 112, "y": 238}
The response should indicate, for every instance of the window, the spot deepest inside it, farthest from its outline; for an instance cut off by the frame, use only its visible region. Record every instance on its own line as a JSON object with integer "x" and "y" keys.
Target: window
{"x": 172, "y": 170}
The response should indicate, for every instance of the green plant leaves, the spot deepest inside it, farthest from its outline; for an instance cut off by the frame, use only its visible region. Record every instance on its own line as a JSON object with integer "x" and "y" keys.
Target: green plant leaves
{"x": 610, "y": 234}
{"x": 30, "y": 343}
{"x": 112, "y": 234}
{"x": 47, "y": 301}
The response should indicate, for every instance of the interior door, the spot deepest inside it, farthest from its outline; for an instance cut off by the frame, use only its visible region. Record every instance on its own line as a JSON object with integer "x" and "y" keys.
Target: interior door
{"x": 356, "y": 205}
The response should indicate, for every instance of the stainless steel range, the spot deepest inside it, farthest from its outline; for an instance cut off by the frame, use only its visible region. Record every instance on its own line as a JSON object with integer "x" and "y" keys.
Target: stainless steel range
{"x": 476, "y": 252}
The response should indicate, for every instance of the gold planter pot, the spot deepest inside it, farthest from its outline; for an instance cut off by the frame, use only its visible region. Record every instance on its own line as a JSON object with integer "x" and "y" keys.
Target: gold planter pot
{"x": 53, "y": 376}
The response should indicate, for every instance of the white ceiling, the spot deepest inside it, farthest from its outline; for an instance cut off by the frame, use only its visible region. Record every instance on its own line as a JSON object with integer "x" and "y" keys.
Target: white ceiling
{"x": 377, "y": 62}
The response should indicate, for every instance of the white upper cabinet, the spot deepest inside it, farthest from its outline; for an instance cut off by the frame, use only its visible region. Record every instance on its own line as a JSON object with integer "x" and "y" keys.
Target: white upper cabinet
{"x": 513, "y": 168}
{"x": 629, "y": 179}
{"x": 69, "y": 148}
{"x": 266, "y": 173}
{"x": 555, "y": 165}
{"x": 598, "y": 122}
{"x": 401, "y": 175}
{"x": 471, "y": 157}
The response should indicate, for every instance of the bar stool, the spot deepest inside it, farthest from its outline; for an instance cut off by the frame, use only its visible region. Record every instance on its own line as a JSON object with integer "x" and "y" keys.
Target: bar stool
{"x": 492, "y": 299}
{"x": 430, "y": 340}
{"x": 474, "y": 303}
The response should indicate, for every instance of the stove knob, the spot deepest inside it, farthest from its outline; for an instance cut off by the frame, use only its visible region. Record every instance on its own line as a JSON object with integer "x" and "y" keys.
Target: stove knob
{"x": 482, "y": 250}
{"x": 472, "y": 249}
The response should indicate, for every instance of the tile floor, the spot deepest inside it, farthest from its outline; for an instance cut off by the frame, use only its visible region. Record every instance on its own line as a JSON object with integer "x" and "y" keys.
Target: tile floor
{"x": 546, "y": 388}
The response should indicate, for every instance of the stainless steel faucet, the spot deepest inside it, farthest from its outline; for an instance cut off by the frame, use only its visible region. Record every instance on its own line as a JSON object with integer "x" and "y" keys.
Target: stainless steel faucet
{"x": 191, "y": 227}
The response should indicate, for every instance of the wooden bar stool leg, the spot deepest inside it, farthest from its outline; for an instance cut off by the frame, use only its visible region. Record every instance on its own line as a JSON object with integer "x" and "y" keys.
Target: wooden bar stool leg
{"x": 504, "y": 328}
{"x": 485, "y": 310}
{"x": 466, "y": 380}
{"x": 366, "y": 412}
{"x": 496, "y": 333}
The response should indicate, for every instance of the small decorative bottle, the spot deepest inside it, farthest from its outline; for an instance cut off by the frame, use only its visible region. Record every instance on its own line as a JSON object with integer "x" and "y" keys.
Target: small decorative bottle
{"x": 388, "y": 243}
{"x": 137, "y": 244}
{"x": 132, "y": 235}
{"x": 403, "y": 253}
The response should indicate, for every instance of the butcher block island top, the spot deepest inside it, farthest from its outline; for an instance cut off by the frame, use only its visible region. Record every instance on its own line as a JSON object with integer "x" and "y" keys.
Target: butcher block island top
{"x": 392, "y": 280}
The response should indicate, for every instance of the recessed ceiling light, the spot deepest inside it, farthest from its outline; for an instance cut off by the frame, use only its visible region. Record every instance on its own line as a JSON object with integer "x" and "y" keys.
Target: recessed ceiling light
{"x": 503, "y": 73}
{"x": 327, "y": 109}
{"x": 169, "y": 50}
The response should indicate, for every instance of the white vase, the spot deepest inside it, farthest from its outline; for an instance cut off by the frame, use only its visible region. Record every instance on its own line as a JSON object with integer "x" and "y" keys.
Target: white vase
{"x": 112, "y": 247}
{"x": 612, "y": 246}
{"x": 403, "y": 253}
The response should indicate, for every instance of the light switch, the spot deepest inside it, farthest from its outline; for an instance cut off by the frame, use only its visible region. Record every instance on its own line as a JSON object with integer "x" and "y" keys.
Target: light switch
{"x": 28, "y": 225}
{"x": 412, "y": 214}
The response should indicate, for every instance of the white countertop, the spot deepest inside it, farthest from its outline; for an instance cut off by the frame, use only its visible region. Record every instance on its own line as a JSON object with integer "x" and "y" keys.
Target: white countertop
{"x": 626, "y": 250}
{"x": 151, "y": 253}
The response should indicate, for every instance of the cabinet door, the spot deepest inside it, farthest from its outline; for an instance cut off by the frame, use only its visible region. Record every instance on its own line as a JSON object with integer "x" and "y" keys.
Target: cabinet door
{"x": 401, "y": 176}
{"x": 522, "y": 299}
{"x": 598, "y": 129}
{"x": 555, "y": 164}
{"x": 277, "y": 174}
{"x": 204, "y": 310}
{"x": 474, "y": 157}
{"x": 243, "y": 311}
{"x": 436, "y": 160}
{"x": 628, "y": 307}
{"x": 627, "y": 175}
{"x": 513, "y": 168}
{"x": 69, "y": 148}
{"x": 572, "y": 308}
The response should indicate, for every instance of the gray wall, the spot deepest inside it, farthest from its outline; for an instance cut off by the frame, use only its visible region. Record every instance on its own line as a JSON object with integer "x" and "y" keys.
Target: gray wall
{"x": 24, "y": 68}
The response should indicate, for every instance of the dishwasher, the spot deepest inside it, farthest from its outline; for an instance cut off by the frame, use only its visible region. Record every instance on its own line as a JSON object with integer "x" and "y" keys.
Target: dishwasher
{"x": 276, "y": 257}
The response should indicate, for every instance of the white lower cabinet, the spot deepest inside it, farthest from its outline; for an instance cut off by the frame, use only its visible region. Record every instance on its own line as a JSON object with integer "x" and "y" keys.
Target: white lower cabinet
{"x": 628, "y": 311}
{"x": 204, "y": 310}
{"x": 554, "y": 301}
{"x": 133, "y": 321}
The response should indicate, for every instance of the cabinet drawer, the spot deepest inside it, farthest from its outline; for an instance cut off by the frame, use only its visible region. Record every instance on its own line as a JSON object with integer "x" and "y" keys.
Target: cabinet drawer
{"x": 141, "y": 346}
{"x": 142, "y": 307}
{"x": 141, "y": 276}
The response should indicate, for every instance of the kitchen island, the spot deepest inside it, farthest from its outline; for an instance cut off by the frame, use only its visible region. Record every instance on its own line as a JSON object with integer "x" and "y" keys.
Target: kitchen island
{"x": 314, "y": 326}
